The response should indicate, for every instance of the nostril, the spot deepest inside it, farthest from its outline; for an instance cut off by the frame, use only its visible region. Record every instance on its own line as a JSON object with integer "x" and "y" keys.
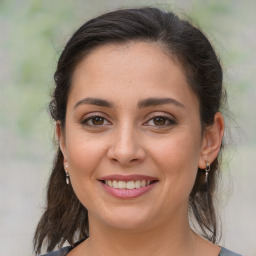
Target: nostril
{"x": 126, "y": 153}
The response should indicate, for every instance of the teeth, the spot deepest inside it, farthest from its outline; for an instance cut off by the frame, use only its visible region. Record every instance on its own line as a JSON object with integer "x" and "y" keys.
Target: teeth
{"x": 137, "y": 184}
{"x": 115, "y": 184}
{"x": 127, "y": 185}
{"x": 121, "y": 184}
{"x": 110, "y": 183}
{"x": 130, "y": 185}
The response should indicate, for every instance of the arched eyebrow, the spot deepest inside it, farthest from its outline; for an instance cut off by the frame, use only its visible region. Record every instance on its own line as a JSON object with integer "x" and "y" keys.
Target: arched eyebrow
{"x": 95, "y": 101}
{"x": 149, "y": 102}
{"x": 159, "y": 101}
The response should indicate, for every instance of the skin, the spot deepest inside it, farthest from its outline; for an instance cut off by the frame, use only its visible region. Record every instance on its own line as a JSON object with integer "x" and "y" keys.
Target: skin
{"x": 130, "y": 140}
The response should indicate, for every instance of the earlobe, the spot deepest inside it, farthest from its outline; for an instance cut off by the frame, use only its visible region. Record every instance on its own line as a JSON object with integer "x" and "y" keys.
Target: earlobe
{"x": 212, "y": 140}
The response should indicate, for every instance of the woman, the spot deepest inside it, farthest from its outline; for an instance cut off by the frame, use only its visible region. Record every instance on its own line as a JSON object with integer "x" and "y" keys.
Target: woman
{"x": 137, "y": 109}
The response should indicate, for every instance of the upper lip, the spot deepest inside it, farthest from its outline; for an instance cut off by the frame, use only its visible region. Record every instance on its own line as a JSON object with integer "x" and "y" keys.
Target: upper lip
{"x": 128, "y": 177}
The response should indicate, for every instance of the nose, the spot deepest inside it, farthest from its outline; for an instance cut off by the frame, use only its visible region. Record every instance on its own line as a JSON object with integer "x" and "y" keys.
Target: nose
{"x": 126, "y": 147}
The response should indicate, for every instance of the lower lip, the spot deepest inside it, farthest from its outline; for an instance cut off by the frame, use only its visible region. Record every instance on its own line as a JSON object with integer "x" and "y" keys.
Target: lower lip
{"x": 127, "y": 193}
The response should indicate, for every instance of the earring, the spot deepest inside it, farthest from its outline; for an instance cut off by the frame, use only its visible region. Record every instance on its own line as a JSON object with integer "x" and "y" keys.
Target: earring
{"x": 67, "y": 174}
{"x": 207, "y": 169}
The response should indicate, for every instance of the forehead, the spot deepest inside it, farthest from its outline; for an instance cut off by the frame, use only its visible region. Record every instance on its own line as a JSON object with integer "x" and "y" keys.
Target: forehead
{"x": 138, "y": 68}
{"x": 131, "y": 53}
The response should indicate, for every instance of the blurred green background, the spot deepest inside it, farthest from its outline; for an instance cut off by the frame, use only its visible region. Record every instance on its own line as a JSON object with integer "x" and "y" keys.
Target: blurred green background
{"x": 33, "y": 33}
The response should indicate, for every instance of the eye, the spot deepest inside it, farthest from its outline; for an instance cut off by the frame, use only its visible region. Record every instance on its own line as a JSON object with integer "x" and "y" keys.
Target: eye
{"x": 95, "y": 121}
{"x": 160, "y": 121}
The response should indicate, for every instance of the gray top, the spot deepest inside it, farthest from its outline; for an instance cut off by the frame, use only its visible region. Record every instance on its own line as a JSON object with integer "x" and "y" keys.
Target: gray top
{"x": 226, "y": 252}
{"x": 65, "y": 250}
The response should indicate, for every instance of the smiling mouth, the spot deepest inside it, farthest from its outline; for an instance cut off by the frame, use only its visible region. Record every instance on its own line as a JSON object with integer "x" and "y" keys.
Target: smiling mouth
{"x": 132, "y": 184}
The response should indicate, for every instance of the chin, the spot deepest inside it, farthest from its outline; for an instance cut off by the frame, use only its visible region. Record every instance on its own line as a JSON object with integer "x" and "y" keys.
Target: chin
{"x": 128, "y": 224}
{"x": 126, "y": 219}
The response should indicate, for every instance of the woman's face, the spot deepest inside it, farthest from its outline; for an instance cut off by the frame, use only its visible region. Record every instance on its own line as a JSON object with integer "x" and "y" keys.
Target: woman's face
{"x": 132, "y": 138}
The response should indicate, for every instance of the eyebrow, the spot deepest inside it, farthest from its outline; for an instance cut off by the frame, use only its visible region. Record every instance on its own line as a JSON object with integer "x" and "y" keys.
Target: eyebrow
{"x": 141, "y": 104}
{"x": 94, "y": 101}
{"x": 158, "y": 101}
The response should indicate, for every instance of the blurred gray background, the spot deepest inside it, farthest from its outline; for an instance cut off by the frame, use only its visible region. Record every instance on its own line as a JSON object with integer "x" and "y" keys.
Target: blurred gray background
{"x": 32, "y": 35}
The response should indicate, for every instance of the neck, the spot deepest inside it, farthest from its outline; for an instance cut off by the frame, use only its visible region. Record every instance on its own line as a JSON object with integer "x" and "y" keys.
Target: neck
{"x": 160, "y": 240}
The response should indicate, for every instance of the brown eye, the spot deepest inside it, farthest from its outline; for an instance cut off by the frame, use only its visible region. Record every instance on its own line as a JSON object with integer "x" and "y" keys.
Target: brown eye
{"x": 94, "y": 121}
{"x": 97, "y": 120}
{"x": 159, "y": 120}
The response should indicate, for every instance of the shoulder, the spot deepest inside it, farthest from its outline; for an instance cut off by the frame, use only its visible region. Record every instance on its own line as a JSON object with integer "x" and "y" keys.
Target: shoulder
{"x": 65, "y": 250}
{"x": 61, "y": 252}
{"x": 226, "y": 252}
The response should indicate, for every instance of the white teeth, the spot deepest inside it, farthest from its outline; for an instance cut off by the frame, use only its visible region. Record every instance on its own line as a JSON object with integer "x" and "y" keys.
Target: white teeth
{"x": 110, "y": 183}
{"x": 115, "y": 184}
{"x": 130, "y": 185}
{"x": 121, "y": 184}
{"x": 127, "y": 185}
{"x": 143, "y": 183}
{"x": 137, "y": 184}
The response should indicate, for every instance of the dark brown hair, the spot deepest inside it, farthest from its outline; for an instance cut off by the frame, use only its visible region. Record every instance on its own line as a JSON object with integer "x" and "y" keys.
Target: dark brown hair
{"x": 65, "y": 218}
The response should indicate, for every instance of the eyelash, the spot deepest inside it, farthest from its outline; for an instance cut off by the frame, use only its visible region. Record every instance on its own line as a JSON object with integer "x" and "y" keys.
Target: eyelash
{"x": 169, "y": 121}
{"x": 87, "y": 120}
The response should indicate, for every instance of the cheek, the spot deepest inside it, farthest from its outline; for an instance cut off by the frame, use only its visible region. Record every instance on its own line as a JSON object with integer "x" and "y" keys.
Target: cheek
{"x": 177, "y": 157}
{"x": 83, "y": 154}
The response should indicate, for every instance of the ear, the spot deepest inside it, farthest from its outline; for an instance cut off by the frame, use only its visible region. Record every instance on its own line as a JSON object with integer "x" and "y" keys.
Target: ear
{"x": 212, "y": 141}
{"x": 61, "y": 138}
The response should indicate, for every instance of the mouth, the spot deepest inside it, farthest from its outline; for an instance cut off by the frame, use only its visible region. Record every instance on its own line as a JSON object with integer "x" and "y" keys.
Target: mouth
{"x": 129, "y": 186}
{"x": 132, "y": 184}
